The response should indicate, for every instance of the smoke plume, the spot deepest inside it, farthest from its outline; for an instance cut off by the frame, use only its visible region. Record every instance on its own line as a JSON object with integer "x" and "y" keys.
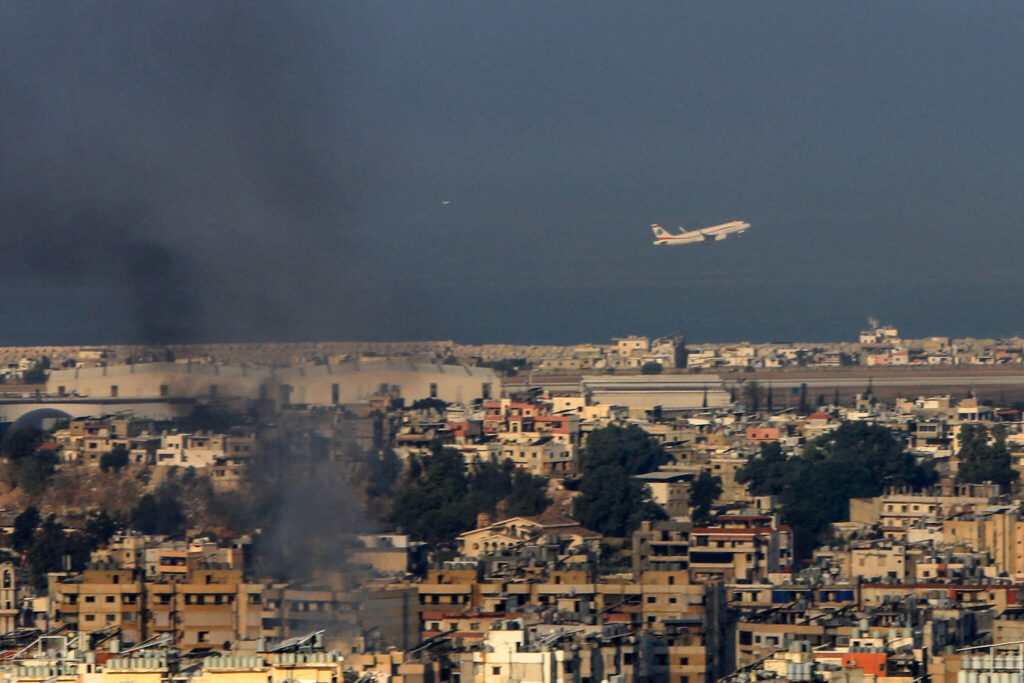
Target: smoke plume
{"x": 188, "y": 164}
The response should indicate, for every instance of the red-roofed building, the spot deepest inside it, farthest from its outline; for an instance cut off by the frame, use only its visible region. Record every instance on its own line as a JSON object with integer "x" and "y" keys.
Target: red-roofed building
{"x": 763, "y": 434}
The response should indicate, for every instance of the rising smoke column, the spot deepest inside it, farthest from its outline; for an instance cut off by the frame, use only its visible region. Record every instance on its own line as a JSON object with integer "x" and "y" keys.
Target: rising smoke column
{"x": 191, "y": 164}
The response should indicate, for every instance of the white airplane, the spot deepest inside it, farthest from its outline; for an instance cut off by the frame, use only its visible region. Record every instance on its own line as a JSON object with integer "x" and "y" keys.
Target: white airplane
{"x": 713, "y": 234}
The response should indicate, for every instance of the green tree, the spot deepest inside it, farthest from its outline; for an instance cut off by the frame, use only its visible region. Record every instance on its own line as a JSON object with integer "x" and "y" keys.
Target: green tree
{"x": 100, "y": 528}
{"x": 651, "y": 367}
{"x": 24, "y": 528}
{"x": 704, "y": 491}
{"x": 629, "y": 448}
{"x": 611, "y": 501}
{"x": 528, "y": 494}
{"x": 158, "y": 514}
{"x": 981, "y": 461}
{"x": 767, "y": 474}
{"x": 436, "y": 507}
{"x": 856, "y": 460}
{"x": 435, "y": 404}
{"x": 385, "y": 468}
{"x": 442, "y": 499}
{"x": 115, "y": 458}
{"x": 46, "y": 553}
{"x": 21, "y": 442}
{"x": 32, "y": 473}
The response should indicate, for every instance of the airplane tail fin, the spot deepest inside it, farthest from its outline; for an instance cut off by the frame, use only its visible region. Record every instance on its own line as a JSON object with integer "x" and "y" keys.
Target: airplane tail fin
{"x": 660, "y": 231}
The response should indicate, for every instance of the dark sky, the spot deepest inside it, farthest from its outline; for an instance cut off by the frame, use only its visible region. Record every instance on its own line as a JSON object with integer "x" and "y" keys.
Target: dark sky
{"x": 244, "y": 171}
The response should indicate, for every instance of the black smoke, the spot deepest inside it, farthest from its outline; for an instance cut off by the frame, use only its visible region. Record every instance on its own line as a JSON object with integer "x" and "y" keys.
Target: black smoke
{"x": 192, "y": 166}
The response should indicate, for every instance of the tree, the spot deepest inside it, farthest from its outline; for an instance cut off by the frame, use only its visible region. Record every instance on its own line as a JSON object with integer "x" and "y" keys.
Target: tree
{"x": 611, "y": 501}
{"x": 24, "y": 527}
{"x": 33, "y": 473}
{"x": 766, "y": 475}
{"x": 630, "y": 448}
{"x": 115, "y": 458}
{"x": 158, "y": 514}
{"x": 435, "y": 404}
{"x": 704, "y": 491}
{"x": 436, "y": 507}
{"x": 981, "y": 461}
{"x": 442, "y": 499}
{"x": 528, "y": 494}
{"x": 385, "y": 468}
{"x": 856, "y": 460}
{"x": 100, "y": 528}
{"x": 651, "y": 367}
{"x": 21, "y": 442}
{"x": 46, "y": 552}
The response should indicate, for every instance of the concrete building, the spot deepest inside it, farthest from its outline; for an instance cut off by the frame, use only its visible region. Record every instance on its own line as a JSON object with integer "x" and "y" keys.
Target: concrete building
{"x": 642, "y": 393}
{"x": 304, "y": 385}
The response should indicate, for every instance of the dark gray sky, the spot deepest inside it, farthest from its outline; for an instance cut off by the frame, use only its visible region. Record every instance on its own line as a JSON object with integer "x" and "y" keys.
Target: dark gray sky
{"x": 232, "y": 171}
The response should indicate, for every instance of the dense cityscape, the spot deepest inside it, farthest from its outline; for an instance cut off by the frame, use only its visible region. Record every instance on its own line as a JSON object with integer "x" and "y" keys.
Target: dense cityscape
{"x": 641, "y": 510}
{"x": 511, "y": 342}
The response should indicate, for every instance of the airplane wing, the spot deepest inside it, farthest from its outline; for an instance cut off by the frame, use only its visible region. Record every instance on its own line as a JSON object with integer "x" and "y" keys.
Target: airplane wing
{"x": 718, "y": 229}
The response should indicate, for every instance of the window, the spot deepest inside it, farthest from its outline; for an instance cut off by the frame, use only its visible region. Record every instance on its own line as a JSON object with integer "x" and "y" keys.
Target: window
{"x": 90, "y": 617}
{"x": 486, "y": 390}
{"x": 203, "y": 637}
{"x": 496, "y": 670}
{"x": 164, "y": 390}
{"x": 213, "y": 390}
{"x": 109, "y": 598}
{"x": 90, "y": 598}
{"x": 335, "y": 394}
{"x": 433, "y": 390}
{"x": 113, "y": 390}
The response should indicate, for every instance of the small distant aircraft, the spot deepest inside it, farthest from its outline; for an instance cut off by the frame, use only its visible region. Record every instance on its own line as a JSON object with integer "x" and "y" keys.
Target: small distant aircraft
{"x": 713, "y": 234}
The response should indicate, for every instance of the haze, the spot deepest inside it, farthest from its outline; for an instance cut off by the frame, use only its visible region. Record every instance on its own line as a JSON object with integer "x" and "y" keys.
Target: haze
{"x": 223, "y": 171}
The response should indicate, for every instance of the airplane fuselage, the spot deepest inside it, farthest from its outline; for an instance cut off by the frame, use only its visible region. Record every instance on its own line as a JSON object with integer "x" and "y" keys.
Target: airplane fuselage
{"x": 715, "y": 233}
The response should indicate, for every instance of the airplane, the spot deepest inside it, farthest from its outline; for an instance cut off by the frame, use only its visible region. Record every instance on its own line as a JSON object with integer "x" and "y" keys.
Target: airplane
{"x": 713, "y": 234}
